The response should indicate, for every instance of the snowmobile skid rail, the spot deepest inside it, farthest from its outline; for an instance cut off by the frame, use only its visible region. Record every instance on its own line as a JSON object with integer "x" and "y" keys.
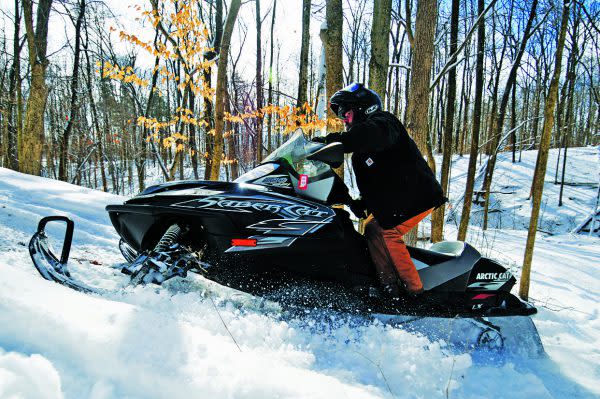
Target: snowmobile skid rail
{"x": 514, "y": 336}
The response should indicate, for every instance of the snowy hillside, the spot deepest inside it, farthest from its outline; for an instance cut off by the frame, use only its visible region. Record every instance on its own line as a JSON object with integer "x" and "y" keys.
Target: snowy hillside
{"x": 509, "y": 207}
{"x": 170, "y": 342}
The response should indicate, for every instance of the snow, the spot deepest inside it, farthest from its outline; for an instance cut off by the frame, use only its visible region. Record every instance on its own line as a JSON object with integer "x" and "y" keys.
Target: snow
{"x": 509, "y": 207}
{"x": 27, "y": 376}
{"x": 169, "y": 341}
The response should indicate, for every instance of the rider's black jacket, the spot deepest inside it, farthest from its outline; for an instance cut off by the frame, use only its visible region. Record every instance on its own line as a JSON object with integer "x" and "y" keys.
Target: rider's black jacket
{"x": 393, "y": 177}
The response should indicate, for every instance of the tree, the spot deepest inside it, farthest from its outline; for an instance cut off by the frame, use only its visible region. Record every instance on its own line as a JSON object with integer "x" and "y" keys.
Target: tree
{"x": 95, "y": 118}
{"x": 32, "y": 140}
{"x": 542, "y": 159}
{"x": 332, "y": 39}
{"x": 380, "y": 41}
{"x": 571, "y": 77}
{"x": 417, "y": 120}
{"x": 468, "y": 197}
{"x": 64, "y": 141}
{"x": 208, "y": 105}
{"x": 437, "y": 218}
{"x": 181, "y": 44}
{"x": 271, "y": 76}
{"x": 303, "y": 73}
{"x": 259, "y": 83}
{"x": 13, "y": 124}
{"x": 221, "y": 89}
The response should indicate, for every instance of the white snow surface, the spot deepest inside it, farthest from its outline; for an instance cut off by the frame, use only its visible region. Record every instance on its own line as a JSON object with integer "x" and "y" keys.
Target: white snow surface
{"x": 170, "y": 342}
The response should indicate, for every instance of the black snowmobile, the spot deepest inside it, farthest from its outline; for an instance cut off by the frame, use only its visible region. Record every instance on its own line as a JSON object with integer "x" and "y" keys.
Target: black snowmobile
{"x": 273, "y": 232}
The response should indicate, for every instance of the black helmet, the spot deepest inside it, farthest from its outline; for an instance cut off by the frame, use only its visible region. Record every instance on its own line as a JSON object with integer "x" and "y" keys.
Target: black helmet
{"x": 357, "y": 97}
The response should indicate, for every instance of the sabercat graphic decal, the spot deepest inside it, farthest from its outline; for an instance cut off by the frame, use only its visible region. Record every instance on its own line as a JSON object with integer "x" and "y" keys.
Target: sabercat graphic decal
{"x": 282, "y": 208}
{"x": 292, "y": 221}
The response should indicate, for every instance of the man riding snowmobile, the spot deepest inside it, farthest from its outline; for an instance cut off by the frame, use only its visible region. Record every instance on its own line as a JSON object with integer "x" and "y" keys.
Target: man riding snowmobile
{"x": 397, "y": 186}
{"x": 274, "y": 233}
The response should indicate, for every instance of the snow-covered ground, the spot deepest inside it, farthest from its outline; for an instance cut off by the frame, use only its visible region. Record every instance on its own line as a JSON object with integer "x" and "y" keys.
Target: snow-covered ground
{"x": 170, "y": 342}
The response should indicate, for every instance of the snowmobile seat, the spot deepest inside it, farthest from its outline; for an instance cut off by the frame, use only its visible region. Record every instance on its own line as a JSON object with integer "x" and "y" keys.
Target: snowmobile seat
{"x": 428, "y": 257}
{"x": 452, "y": 248}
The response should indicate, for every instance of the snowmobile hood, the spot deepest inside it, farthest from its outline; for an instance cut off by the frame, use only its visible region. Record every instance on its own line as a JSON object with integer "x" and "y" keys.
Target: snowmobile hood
{"x": 222, "y": 209}
{"x": 227, "y": 197}
{"x": 197, "y": 188}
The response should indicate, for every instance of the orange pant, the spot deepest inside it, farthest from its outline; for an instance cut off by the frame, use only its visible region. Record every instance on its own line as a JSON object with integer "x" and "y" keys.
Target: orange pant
{"x": 390, "y": 256}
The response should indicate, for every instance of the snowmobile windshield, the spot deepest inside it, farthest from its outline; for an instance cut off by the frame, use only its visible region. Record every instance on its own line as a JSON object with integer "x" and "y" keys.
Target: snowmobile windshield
{"x": 295, "y": 150}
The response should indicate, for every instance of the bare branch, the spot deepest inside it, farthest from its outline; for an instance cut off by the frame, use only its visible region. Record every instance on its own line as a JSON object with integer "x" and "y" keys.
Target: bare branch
{"x": 450, "y": 62}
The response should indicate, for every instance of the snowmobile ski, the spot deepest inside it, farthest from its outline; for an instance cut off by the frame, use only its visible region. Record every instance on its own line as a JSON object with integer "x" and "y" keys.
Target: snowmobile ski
{"x": 49, "y": 266}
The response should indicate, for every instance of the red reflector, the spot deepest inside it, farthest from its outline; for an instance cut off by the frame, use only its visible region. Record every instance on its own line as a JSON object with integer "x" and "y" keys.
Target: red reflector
{"x": 243, "y": 242}
{"x": 483, "y": 296}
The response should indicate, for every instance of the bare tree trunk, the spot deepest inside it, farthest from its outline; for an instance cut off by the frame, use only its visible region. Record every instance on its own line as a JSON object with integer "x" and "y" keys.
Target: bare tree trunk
{"x": 380, "y": 41}
{"x": 525, "y": 116}
{"x": 302, "y": 76}
{"x": 13, "y": 123}
{"x": 568, "y": 121}
{"x": 64, "y": 142}
{"x": 559, "y": 123}
{"x": 408, "y": 23}
{"x": 538, "y": 184}
{"x": 407, "y": 85}
{"x": 278, "y": 91}
{"x": 95, "y": 120}
{"x": 437, "y": 218}
{"x": 422, "y": 62}
{"x": 461, "y": 135}
{"x": 180, "y": 101}
{"x": 32, "y": 141}
{"x": 490, "y": 119}
{"x": 192, "y": 130}
{"x": 542, "y": 76}
{"x": 536, "y": 111}
{"x": 332, "y": 38}
{"x": 468, "y": 198}
{"x": 208, "y": 105}
{"x": 221, "y": 89}
{"x": 270, "y": 89}
{"x": 513, "y": 124}
{"x": 231, "y": 153}
{"x": 396, "y": 47}
{"x": 259, "y": 84}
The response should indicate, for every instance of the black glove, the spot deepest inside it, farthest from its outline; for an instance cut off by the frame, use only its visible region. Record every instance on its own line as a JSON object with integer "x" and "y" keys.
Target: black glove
{"x": 358, "y": 208}
{"x": 328, "y": 139}
{"x": 333, "y": 138}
